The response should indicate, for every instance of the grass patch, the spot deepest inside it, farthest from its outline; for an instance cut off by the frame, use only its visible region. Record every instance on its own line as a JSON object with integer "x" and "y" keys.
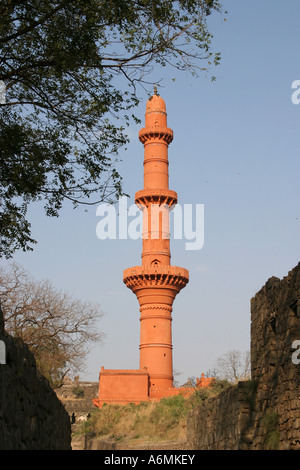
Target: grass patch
{"x": 152, "y": 421}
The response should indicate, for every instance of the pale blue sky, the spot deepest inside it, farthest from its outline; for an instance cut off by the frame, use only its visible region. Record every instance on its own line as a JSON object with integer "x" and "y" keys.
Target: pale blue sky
{"x": 235, "y": 150}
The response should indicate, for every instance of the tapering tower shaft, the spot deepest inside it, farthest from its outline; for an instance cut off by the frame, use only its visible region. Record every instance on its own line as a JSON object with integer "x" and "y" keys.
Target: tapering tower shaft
{"x": 155, "y": 282}
{"x": 156, "y": 199}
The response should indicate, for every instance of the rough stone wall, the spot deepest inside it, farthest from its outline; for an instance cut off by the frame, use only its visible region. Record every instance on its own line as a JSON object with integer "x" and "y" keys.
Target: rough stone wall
{"x": 223, "y": 422}
{"x": 31, "y": 415}
{"x": 263, "y": 413}
{"x": 275, "y": 325}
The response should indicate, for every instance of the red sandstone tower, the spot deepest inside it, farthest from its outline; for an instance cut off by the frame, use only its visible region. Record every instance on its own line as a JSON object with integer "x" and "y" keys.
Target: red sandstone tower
{"x": 155, "y": 283}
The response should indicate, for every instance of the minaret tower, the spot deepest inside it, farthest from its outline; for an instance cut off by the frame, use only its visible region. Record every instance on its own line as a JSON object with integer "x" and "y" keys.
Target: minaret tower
{"x": 156, "y": 283}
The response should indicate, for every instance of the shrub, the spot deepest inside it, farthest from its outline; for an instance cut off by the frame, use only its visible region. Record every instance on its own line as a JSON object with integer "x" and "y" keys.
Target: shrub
{"x": 78, "y": 392}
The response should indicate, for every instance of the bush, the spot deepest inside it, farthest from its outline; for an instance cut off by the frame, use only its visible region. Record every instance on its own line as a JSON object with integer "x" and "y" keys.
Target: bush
{"x": 168, "y": 413}
{"x": 78, "y": 392}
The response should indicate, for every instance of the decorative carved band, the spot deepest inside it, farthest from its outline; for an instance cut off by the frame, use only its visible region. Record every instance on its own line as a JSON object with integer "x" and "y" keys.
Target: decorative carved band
{"x": 147, "y": 307}
{"x": 156, "y": 345}
{"x": 155, "y": 196}
{"x": 156, "y": 252}
{"x": 160, "y": 159}
{"x": 155, "y": 280}
{"x": 161, "y": 200}
{"x": 156, "y": 133}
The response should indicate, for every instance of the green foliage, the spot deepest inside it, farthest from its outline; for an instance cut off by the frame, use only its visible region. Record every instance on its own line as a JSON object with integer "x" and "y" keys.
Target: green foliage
{"x": 105, "y": 421}
{"x": 200, "y": 396}
{"x": 270, "y": 424}
{"x": 168, "y": 413}
{"x": 70, "y": 69}
{"x": 78, "y": 392}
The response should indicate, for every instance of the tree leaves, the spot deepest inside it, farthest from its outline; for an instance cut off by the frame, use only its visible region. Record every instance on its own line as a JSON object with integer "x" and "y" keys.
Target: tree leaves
{"x": 71, "y": 71}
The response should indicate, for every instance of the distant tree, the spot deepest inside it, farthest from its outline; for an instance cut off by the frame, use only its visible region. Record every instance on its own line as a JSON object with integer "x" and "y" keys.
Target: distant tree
{"x": 233, "y": 366}
{"x": 176, "y": 374}
{"x": 58, "y": 329}
{"x": 70, "y": 69}
{"x": 191, "y": 382}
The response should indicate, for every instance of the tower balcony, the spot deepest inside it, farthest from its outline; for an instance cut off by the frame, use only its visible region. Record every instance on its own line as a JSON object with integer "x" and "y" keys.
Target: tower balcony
{"x": 146, "y": 197}
{"x": 153, "y": 133}
{"x": 156, "y": 276}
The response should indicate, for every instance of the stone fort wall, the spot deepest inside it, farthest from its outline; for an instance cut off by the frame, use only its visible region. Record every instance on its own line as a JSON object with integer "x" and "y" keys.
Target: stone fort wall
{"x": 31, "y": 415}
{"x": 77, "y": 397}
{"x": 263, "y": 413}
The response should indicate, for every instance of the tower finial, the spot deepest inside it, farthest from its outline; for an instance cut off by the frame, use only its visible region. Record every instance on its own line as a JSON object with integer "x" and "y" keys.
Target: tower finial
{"x": 155, "y": 89}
